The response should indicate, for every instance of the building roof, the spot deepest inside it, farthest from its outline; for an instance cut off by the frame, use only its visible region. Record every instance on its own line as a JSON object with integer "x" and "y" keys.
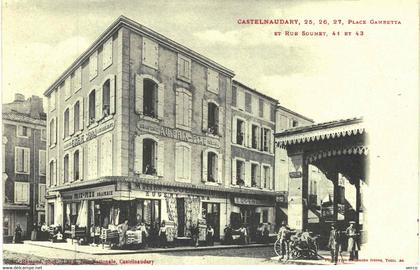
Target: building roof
{"x": 123, "y": 21}
{"x": 294, "y": 113}
{"x": 24, "y": 118}
{"x": 332, "y": 129}
{"x": 255, "y": 91}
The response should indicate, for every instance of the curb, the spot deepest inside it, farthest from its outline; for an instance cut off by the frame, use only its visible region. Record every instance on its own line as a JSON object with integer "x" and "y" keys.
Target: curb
{"x": 156, "y": 250}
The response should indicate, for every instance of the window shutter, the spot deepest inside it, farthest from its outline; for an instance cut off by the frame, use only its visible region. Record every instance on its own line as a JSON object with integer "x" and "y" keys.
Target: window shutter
{"x": 243, "y": 171}
{"x": 161, "y": 100}
{"x": 29, "y": 130}
{"x": 233, "y": 171}
{"x": 160, "y": 158}
{"x": 81, "y": 167}
{"x": 138, "y": 155}
{"x": 112, "y": 93}
{"x": 234, "y": 131}
{"x": 220, "y": 168}
{"x": 189, "y": 111}
{"x": 234, "y": 96}
{"x": 258, "y": 176}
{"x": 71, "y": 166}
{"x": 179, "y": 162}
{"x": 25, "y": 188}
{"x": 81, "y": 112}
{"x": 205, "y": 115}
{"x": 156, "y": 54}
{"x": 262, "y": 175}
{"x": 247, "y": 174}
{"x": 61, "y": 171}
{"x": 245, "y": 131}
{"x": 71, "y": 120}
{"x": 64, "y": 124}
{"x": 221, "y": 126}
{"x": 271, "y": 147}
{"x": 186, "y": 109}
{"x": 98, "y": 100}
{"x": 92, "y": 159}
{"x": 178, "y": 108}
{"x": 187, "y": 164}
{"x": 55, "y": 130}
{"x": 250, "y": 134}
{"x": 139, "y": 94}
{"x": 26, "y": 163}
{"x": 204, "y": 166}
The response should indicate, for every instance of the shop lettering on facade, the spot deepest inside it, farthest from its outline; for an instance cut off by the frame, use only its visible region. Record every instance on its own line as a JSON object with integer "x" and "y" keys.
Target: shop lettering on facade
{"x": 250, "y": 201}
{"x": 295, "y": 174}
{"x": 97, "y": 193}
{"x": 167, "y": 192}
{"x": 178, "y": 134}
{"x": 89, "y": 135}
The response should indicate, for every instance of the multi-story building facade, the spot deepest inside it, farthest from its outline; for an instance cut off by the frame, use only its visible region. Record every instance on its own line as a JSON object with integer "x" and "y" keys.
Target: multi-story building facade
{"x": 143, "y": 128}
{"x": 24, "y": 164}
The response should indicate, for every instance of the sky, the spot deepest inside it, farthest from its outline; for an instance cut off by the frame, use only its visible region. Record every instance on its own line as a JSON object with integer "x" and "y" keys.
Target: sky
{"x": 312, "y": 76}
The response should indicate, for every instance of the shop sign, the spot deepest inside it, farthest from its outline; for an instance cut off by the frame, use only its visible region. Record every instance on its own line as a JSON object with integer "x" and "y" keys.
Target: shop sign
{"x": 179, "y": 134}
{"x": 281, "y": 199}
{"x": 295, "y": 174}
{"x": 93, "y": 193}
{"x": 89, "y": 135}
{"x": 250, "y": 201}
{"x": 172, "y": 192}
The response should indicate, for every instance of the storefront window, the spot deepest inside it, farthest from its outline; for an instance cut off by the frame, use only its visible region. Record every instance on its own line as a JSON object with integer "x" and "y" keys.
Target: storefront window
{"x": 5, "y": 225}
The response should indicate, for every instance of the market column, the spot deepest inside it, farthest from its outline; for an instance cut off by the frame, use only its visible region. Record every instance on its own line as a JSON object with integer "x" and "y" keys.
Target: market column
{"x": 298, "y": 191}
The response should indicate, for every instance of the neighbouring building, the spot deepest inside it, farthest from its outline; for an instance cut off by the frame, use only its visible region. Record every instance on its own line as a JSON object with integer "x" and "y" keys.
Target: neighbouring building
{"x": 24, "y": 164}
{"x": 142, "y": 128}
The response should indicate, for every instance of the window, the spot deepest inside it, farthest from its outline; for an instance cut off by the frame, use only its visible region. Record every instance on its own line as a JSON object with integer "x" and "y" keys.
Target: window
{"x": 149, "y": 98}
{"x": 66, "y": 123}
{"x": 76, "y": 166}
{"x": 213, "y": 118}
{"x": 265, "y": 216}
{"x": 77, "y": 80}
{"x": 53, "y": 132}
{"x": 76, "y": 114}
{"x": 240, "y": 172}
{"x": 52, "y": 101}
{"x": 22, "y": 160}
{"x": 266, "y": 139}
{"x": 21, "y": 193}
{"x": 266, "y": 178}
{"x": 106, "y": 98}
{"x": 240, "y": 132}
{"x": 150, "y": 53}
{"x": 43, "y": 134}
{"x": 255, "y": 136}
{"x": 66, "y": 168}
{"x": 42, "y": 162}
{"x": 211, "y": 167}
{"x": 41, "y": 194}
{"x": 52, "y": 173}
{"x": 92, "y": 106}
{"x": 22, "y": 131}
{"x": 267, "y": 111}
{"x": 255, "y": 175}
{"x": 261, "y": 107}
{"x": 183, "y": 162}
{"x": 67, "y": 89}
{"x": 248, "y": 104}
{"x": 212, "y": 81}
{"x": 294, "y": 123}
{"x": 240, "y": 99}
{"x": 184, "y": 68}
{"x": 149, "y": 156}
{"x": 107, "y": 54}
{"x": 183, "y": 108}
{"x": 106, "y": 155}
{"x": 93, "y": 65}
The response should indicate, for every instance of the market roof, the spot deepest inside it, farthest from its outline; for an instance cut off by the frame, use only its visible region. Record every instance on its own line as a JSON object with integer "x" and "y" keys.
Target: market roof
{"x": 321, "y": 131}
{"x": 136, "y": 27}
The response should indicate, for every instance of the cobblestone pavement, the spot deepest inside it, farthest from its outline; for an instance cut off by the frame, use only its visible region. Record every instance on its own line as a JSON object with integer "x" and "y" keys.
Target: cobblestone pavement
{"x": 29, "y": 254}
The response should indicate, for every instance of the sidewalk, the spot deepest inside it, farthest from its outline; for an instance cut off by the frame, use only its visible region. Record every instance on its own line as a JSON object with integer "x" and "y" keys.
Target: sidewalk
{"x": 107, "y": 251}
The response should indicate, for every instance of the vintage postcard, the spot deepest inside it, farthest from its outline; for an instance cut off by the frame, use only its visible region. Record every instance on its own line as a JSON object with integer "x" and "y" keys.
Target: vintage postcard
{"x": 210, "y": 132}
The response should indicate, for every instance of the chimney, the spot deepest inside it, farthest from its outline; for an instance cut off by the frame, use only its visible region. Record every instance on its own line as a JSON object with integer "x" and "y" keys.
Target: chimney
{"x": 36, "y": 106}
{"x": 19, "y": 97}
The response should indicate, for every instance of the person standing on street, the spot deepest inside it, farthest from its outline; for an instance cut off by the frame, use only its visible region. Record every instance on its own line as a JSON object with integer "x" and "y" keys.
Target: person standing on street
{"x": 334, "y": 244}
{"x": 283, "y": 235}
{"x": 352, "y": 245}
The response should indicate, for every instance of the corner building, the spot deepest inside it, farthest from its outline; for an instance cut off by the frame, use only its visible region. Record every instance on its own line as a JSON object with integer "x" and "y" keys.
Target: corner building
{"x": 143, "y": 128}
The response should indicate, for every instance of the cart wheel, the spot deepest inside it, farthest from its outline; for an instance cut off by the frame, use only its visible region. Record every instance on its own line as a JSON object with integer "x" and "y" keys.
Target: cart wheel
{"x": 277, "y": 247}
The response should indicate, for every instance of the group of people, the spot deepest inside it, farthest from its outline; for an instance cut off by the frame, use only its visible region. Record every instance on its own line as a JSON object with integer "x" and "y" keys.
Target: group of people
{"x": 287, "y": 236}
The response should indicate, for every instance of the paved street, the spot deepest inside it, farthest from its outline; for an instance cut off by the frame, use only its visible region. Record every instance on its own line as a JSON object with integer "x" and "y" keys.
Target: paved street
{"x": 20, "y": 253}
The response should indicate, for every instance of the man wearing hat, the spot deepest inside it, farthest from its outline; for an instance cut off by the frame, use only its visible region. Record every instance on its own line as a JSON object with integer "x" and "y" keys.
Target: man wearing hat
{"x": 352, "y": 246}
{"x": 284, "y": 235}
{"x": 334, "y": 243}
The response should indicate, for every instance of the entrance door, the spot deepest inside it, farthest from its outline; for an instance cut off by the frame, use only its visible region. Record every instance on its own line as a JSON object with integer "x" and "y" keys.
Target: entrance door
{"x": 212, "y": 215}
{"x": 51, "y": 213}
{"x": 180, "y": 208}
